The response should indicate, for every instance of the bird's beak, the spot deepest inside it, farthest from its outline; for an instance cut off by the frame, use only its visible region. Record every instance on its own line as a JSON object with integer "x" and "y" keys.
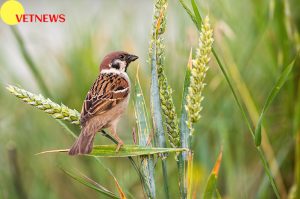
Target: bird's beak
{"x": 131, "y": 58}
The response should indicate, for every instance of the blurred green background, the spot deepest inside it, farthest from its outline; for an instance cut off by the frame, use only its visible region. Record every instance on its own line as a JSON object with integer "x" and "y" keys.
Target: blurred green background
{"x": 254, "y": 39}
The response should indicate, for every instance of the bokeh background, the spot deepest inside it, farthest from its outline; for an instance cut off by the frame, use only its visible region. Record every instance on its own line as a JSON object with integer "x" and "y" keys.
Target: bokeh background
{"x": 255, "y": 40}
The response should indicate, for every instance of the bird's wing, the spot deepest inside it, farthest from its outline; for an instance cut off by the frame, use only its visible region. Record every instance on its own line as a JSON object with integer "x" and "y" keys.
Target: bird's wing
{"x": 108, "y": 91}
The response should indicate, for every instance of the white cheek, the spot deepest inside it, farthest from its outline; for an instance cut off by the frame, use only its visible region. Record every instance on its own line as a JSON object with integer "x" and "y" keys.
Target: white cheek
{"x": 122, "y": 65}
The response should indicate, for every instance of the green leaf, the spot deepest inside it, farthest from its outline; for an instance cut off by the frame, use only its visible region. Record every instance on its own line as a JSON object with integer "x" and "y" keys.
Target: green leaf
{"x": 155, "y": 102}
{"x": 218, "y": 195}
{"x": 296, "y": 122}
{"x": 141, "y": 114}
{"x": 120, "y": 190}
{"x": 189, "y": 12}
{"x": 197, "y": 13}
{"x": 147, "y": 165}
{"x": 91, "y": 184}
{"x": 109, "y": 151}
{"x": 184, "y": 132}
{"x": 275, "y": 90}
{"x": 258, "y": 133}
{"x": 211, "y": 186}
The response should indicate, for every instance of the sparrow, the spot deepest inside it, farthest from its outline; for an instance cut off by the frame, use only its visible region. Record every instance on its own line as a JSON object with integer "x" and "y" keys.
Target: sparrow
{"x": 105, "y": 102}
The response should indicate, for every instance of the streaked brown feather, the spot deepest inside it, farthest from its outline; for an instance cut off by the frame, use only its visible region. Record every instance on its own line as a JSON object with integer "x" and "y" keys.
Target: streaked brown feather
{"x": 108, "y": 90}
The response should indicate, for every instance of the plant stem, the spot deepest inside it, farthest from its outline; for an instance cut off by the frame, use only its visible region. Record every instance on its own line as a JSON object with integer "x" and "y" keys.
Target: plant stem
{"x": 156, "y": 113}
{"x": 184, "y": 134}
{"x": 246, "y": 119}
{"x": 144, "y": 133}
{"x": 34, "y": 69}
{"x": 297, "y": 140}
{"x": 16, "y": 172}
{"x": 181, "y": 166}
{"x": 297, "y": 166}
{"x": 130, "y": 158}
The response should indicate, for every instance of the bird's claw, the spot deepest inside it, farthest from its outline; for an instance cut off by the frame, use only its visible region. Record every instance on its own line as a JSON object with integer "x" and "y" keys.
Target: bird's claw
{"x": 120, "y": 144}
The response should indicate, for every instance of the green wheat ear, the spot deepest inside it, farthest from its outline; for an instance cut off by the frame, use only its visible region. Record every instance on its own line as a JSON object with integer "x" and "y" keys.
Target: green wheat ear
{"x": 198, "y": 73}
{"x": 165, "y": 91}
{"x": 55, "y": 110}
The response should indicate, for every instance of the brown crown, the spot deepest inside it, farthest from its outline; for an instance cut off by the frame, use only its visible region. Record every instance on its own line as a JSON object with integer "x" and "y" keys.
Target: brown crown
{"x": 109, "y": 58}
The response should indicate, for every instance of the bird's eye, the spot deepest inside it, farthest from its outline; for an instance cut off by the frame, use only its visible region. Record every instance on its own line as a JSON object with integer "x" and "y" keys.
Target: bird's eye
{"x": 121, "y": 56}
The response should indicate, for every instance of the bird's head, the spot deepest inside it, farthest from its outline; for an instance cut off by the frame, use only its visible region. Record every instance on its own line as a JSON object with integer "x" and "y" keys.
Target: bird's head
{"x": 118, "y": 60}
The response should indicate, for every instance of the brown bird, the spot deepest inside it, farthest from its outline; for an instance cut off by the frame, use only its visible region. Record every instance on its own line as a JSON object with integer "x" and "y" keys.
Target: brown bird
{"x": 105, "y": 102}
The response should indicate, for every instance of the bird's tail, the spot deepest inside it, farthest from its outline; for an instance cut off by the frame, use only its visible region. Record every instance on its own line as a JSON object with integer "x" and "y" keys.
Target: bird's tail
{"x": 84, "y": 144}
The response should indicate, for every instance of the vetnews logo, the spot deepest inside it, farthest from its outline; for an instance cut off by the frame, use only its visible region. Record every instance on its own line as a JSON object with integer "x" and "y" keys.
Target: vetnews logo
{"x": 12, "y": 12}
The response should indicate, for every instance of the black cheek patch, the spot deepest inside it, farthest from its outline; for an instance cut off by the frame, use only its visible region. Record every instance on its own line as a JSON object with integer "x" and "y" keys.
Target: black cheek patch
{"x": 116, "y": 65}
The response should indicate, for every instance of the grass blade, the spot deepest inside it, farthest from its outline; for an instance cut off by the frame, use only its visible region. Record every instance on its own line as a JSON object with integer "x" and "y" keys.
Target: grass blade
{"x": 296, "y": 133}
{"x": 189, "y": 175}
{"x": 144, "y": 133}
{"x": 141, "y": 114}
{"x": 91, "y": 184}
{"x": 120, "y": 190}
{"x": 189, "y": 12}
{"x": 109, "y": 151}
{"x": 184, "y": 133}
{"x": 210, "y": 190}
{"x": 197, "y": 13}
{"x": 275, "y": 90}
{"x": 297, "y": 165}
{"x": 33, "y": 68}
{"x": 16, "y": 171}
{"x": 184, "y": 130}
{"x": 218, "y": 195}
